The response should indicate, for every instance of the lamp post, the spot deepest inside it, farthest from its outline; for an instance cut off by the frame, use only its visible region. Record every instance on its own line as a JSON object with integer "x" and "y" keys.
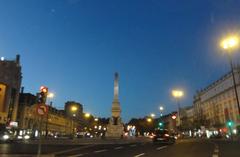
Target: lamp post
{"x": 178, "y": 94}
{"x": 50, "y": 96}
{"x": 74, "y": 110}
{"x": 230, "y": 44}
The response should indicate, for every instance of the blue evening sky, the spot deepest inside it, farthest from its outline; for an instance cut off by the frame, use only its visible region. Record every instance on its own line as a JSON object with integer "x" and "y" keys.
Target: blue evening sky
{"x": 75, "y": 46}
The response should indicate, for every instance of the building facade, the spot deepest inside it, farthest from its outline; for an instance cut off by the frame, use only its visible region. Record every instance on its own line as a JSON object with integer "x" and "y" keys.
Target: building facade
{"x": 55, "y": 122}
{"x": 10, "y": 83}
{"x": 216, "y": 104}
{"x": 187, "y": 118}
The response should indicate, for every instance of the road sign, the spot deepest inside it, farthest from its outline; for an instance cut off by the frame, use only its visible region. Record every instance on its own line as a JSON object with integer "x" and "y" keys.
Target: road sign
{"x": 42, "y": 109}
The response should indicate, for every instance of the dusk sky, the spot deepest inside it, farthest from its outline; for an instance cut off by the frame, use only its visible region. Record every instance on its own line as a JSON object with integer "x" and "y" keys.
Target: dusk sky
{"x": 74, "y": 47}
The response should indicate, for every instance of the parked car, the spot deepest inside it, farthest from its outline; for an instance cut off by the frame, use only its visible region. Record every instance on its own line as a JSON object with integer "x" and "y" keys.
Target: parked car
{"x": 163, "y": 136}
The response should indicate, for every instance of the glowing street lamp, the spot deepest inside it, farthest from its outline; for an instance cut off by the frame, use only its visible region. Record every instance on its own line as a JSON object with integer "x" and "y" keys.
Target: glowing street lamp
{"x": 176, "y": 93}
{"x": 87, "y": 115}
{"x": 230, "y": 44}
{"x": 149, "y": 120}
{"x": 50, "y": 95}
{"x": 95, "y": 119}
{"x": 161, "y": 108}
{"x": 152, "y": 115}
{"x": 74, "y": 108}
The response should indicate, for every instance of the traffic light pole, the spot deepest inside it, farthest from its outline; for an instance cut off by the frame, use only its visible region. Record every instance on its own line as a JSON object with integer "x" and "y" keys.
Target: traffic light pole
{"x": 40, "y": 138}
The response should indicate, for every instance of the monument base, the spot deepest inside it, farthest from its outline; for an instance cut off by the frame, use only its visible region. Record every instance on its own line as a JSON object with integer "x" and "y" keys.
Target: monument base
{"x": 114, "y": 131}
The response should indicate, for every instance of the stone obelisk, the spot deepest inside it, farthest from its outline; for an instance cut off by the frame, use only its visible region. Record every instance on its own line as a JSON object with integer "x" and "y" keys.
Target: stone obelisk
{"x": 115, "y": 127}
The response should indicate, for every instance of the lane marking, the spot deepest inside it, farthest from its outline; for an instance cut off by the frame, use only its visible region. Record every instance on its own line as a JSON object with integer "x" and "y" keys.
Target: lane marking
{"x": 99, "y": 151}
{"x": 73, "y": 149}
{"x": 133, "y": 145}
{"x": 118, "y": 148}
{"x": 216, "y": 151}
{"x": 77, "y": 155}
{"x": 159, "y": 148}
{"x": 139, "y": 155}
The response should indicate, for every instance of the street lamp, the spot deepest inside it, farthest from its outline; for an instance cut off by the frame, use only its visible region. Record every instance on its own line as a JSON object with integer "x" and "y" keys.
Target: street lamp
{"x": 74, "y": 110}
{"x": 152, "y": 115}
{"x": 149, "y": 120}
{"x": 87, "y": 115}
{"x": 49, "y": 96}
{"x": 230, "y": 44}
{"x": 178, "y": 94}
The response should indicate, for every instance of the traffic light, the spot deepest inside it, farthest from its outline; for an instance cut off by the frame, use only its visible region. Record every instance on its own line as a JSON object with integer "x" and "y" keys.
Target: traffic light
{"x": 42, "y": 96}
{"x": 160, "y": 124}
{"x": 230, "y": 123}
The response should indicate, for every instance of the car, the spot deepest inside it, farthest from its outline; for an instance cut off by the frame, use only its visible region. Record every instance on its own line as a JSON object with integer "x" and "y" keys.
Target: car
{"x": 163, "y": 136}
{"x": 6, "y": 136}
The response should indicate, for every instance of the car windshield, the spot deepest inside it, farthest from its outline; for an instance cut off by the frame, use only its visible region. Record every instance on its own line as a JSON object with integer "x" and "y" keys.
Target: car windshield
{"x": 120, "y": 78}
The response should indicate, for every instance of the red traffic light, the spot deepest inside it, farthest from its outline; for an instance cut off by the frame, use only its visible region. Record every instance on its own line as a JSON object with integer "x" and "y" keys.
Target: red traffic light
{"x": 174, "y": 116}
{"x": 43, "y": 89}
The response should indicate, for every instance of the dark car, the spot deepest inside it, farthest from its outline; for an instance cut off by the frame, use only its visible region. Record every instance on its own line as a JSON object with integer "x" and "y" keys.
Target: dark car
{"x": 163, "y": 136}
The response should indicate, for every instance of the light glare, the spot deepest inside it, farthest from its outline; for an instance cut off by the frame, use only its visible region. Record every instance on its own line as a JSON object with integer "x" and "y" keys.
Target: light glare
{"x": 230, "y": 42}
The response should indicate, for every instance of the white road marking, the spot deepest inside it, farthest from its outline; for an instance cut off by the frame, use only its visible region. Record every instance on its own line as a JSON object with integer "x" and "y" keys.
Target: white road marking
{"x": 77, "y": 155}
{"x": 159, "y": 148}
{"x": 99, "y": 151}
{"x": 73, "y": 149}
{"x": 139, "y": 155}
{"x": 133, "y": 145}
{"x": 216, "y": 151}
{"x": 118, "y": 148}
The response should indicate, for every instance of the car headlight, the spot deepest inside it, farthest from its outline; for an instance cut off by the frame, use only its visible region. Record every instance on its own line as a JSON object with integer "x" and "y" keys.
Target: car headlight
{"x": 19, "y": 137}
{"x": 26, "y": 137}
{"x": 5, "y": 137}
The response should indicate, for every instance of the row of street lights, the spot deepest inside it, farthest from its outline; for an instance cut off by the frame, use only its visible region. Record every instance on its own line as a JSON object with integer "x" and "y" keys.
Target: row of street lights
{"x": 177, "y": 94}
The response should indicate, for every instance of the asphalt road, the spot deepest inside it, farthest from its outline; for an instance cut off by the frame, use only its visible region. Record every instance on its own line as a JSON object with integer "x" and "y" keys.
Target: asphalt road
{"x": 184, "y": 148}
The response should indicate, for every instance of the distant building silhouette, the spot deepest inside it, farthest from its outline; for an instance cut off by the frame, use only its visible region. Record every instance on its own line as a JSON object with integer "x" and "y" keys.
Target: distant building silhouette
{"x": 73, "y": 109}
{"x": 10, "y": 83}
